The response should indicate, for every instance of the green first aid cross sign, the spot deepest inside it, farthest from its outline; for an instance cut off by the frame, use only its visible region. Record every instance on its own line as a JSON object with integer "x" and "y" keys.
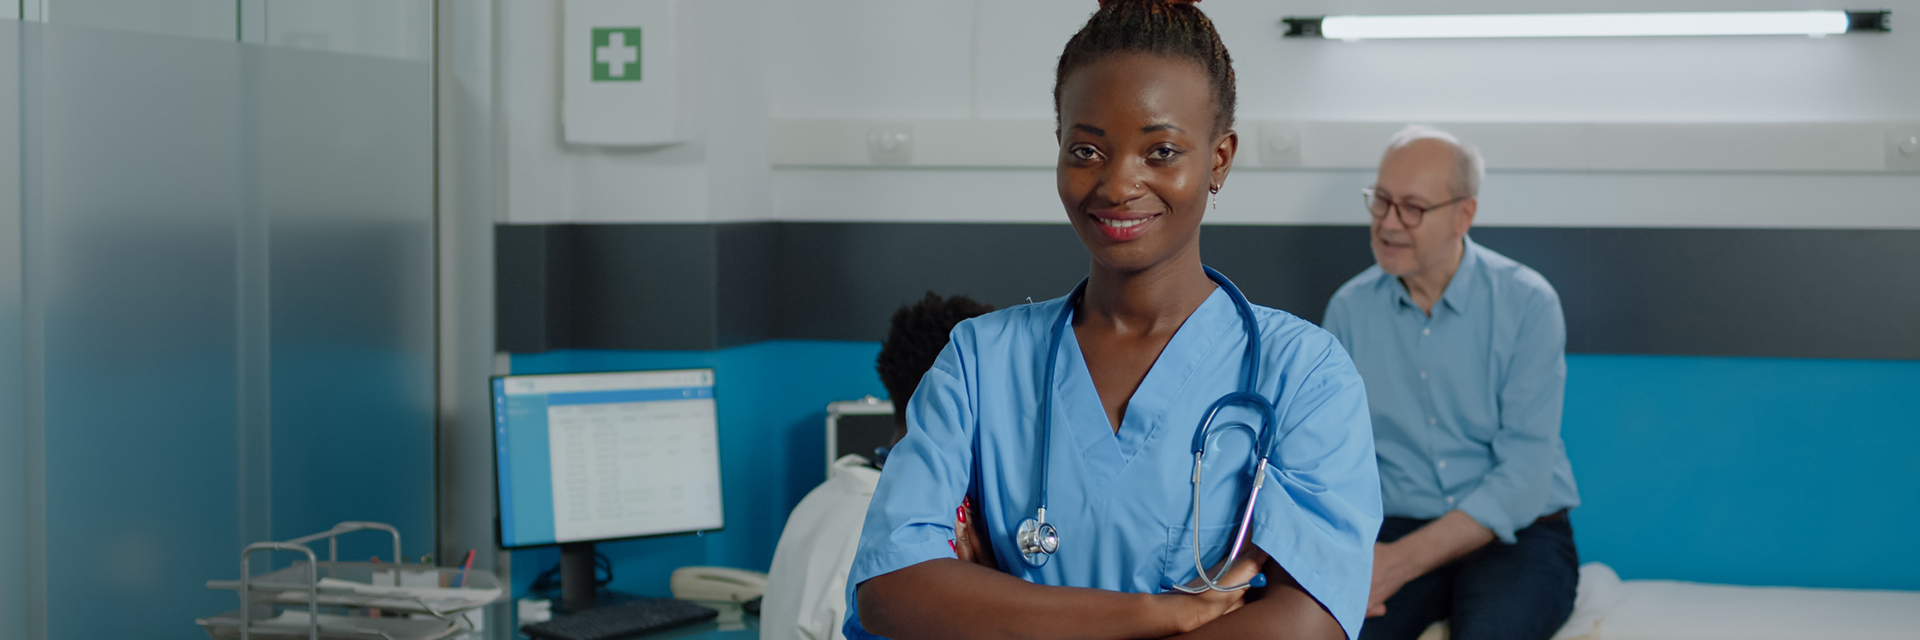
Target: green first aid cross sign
{"x": 616, "y": 54}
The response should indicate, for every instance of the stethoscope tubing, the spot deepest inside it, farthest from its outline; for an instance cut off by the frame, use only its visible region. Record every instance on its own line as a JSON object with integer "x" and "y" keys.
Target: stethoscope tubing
{"x": 1035, "y": 553}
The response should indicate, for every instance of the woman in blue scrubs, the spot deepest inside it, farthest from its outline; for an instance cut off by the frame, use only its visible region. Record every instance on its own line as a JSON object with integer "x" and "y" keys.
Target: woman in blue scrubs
{"x": 1144, "y": 98}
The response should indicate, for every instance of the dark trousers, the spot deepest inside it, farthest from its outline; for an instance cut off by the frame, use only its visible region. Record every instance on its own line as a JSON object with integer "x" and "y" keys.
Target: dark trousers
{"x": 1519, "y": 591}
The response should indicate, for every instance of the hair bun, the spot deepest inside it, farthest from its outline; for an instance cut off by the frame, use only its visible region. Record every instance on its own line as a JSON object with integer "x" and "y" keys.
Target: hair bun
{"x": 1108, "y": 3}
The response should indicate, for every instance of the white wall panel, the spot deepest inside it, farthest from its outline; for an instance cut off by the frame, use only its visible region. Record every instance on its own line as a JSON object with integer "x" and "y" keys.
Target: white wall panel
{"x": 1770, "y": 147}
{"x": 1781, "y": 131}
{"x": 872, "y": 58}
{"x": 737, "y": 166}
{"x": 1019, "y": 44}
{"x": 974, "y": 80}
{"x": 1518, "y": 199}
{"x": 367, "y": 27}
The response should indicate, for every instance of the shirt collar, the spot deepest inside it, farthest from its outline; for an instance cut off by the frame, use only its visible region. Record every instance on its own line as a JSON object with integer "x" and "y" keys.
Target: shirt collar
{"x": 1465, "y": 280}
{"x": 853, "y": 472}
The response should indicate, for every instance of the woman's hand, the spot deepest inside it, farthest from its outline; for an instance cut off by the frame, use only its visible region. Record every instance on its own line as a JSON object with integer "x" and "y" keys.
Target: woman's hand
{"x": 1196, "y": 610}
{"x": 969, "y": 538}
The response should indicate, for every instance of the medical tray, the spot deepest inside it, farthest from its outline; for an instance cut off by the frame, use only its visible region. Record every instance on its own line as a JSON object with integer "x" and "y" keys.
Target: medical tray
{"x": 290, "y": 624}
{"x": 409, "y": 587}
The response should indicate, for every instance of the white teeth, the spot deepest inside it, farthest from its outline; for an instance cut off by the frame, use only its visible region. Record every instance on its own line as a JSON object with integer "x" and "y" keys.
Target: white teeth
{"x": 1121, "y": 224}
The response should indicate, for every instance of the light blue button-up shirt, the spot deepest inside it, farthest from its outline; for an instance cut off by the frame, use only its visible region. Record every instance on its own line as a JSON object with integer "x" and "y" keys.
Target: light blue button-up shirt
{"x": 1121, "y": 499}
{"x": 1466, "y": 403}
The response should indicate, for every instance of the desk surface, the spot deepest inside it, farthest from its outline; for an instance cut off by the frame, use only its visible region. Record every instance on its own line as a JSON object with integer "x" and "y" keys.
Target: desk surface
{"x": 732, "y": 624}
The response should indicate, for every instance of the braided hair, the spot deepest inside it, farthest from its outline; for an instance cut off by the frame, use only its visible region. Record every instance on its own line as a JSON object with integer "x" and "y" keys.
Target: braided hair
{"x": 1171, "y": 28}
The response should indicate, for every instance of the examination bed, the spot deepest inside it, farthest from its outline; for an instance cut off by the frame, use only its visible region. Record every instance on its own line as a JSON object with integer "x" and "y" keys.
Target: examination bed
{"x": 1608, "y": 608}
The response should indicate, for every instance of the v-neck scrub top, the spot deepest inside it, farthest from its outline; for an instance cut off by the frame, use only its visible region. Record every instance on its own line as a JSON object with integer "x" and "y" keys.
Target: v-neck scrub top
{"x": 1121, "y": 500}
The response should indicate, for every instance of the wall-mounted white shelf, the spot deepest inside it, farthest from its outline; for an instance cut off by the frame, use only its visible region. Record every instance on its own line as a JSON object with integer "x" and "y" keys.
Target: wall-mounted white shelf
{"x": 1826, "y": 147}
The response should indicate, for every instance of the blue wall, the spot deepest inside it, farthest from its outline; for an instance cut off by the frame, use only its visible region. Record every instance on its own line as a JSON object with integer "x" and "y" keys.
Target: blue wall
{"x": 772, "y": 402}
{"x": 1732, "y": 470}
{"x": 1747, "y": 470}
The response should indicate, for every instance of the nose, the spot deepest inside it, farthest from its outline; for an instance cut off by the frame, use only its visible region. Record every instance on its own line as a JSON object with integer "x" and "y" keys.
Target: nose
{"x": 1123, "y": 182}
{"x": 1390, "y": 222}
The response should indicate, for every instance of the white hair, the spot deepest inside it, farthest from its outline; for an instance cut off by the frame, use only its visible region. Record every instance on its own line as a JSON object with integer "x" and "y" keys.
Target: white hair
{"x": 1468, "y": 167}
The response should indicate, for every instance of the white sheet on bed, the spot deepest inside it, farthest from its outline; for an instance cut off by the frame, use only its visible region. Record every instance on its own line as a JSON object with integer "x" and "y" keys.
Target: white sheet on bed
{"x": 1670, "y": 610}
{"x": 1609, "y": 609}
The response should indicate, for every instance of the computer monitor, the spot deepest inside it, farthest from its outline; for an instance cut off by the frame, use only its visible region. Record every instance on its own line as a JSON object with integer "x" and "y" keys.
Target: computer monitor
{"x": 858, "y": 427}
{"x": 591, "y": 457}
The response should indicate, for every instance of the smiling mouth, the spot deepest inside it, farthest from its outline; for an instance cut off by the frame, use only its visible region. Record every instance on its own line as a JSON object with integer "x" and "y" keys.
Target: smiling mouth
{"x": 1123, "y": 229}
{"x": 1124, "y": 224}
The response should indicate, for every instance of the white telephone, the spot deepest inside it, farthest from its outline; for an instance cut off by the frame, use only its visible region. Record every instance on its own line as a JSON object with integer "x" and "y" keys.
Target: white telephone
{"x": 722, "y": 584}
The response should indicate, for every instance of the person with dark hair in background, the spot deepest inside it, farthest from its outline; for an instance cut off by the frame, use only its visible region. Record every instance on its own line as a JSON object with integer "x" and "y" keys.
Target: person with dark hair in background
{"x": 809, "y": 573}
{"x": 1116, "y": 440}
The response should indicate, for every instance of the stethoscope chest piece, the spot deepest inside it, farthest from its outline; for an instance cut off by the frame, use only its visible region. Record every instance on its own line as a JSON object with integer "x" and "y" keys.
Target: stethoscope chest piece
{"x": 1038, "y": 541}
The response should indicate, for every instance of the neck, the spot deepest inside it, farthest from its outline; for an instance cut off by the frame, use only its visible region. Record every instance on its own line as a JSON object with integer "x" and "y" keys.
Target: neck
{"x": 1158, "y": 298}
{"x": 1426, "y": 286}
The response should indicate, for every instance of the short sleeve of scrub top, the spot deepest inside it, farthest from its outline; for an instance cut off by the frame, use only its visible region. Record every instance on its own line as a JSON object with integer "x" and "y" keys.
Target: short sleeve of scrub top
{"x": 1121, "y": 499}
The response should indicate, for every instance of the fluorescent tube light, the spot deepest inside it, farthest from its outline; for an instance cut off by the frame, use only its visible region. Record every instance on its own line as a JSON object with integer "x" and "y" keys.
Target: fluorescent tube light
{"x": 1589, "y": 25}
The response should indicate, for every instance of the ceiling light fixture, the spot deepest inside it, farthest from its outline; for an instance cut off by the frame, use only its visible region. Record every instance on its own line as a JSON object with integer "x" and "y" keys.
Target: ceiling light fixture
{"x": 1589, "y": 25}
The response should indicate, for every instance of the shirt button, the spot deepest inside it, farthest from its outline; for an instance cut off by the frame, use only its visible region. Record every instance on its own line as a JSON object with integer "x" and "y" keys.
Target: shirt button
{"x": 1433, "y": 420}
{"x": 1426, "y": 332}
{"x": 1423, "y": 375}
{"x": 1449, "y": 499}
{"x": 1443, "y": 464}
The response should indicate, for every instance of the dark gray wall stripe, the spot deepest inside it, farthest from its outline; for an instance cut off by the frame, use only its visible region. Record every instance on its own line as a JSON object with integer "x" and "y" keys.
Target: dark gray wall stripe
{"x": 605, "y": 287}
{"x": 747, "y": 268}
{"x": 1738, "y": 292}
{"x": 1744, "y": 292}
{"x": 520, "y": 287}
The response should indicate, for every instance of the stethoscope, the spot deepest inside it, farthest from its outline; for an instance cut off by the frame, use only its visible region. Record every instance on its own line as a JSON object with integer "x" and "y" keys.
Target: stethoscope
{"x": 1037, "y": 540}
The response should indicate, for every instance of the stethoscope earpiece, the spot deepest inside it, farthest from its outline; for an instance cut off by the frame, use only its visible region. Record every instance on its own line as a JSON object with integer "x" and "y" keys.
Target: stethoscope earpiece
{"x": 1037, "y": 540}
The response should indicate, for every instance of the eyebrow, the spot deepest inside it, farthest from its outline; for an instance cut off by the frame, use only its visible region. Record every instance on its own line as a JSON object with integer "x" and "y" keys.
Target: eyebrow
{"x": 1161, "y": 127}
{"x": 1091, "y": 129}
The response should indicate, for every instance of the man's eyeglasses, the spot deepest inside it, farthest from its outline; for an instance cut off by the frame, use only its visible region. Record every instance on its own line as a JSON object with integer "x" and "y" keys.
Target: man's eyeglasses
{"x": 1410, "y": 214}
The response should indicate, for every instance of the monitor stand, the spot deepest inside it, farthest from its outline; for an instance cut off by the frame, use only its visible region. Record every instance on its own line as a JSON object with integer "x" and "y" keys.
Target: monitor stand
{"x": 577, "y": 589}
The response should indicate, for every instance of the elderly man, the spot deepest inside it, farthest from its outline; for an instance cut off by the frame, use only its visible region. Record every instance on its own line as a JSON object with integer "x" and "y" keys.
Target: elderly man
{"x": 1463, "y": 354}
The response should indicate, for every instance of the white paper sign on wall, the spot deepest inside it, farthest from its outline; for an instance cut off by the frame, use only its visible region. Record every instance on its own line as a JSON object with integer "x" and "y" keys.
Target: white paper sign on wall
{"x": 618, "y": 72}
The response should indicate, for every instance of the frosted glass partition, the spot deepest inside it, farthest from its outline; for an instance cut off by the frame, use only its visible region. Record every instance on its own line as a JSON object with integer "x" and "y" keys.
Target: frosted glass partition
{"x": 212, "y": 19}
{"x": 346, "y": 175}
{"x": 217, "y": 310}
{"x": 134, "y": 186}
{"x": 383, "y": 28}
{"x": 13, "y": 440}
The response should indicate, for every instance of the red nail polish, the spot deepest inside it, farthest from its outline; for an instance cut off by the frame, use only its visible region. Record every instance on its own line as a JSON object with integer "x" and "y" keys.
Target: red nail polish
{"x": 954, "y": 547}
{"x": 963, "y": 514}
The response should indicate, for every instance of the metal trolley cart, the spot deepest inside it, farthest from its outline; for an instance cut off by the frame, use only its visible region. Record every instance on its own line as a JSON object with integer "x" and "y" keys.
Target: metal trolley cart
{"x": 342, "y": 600}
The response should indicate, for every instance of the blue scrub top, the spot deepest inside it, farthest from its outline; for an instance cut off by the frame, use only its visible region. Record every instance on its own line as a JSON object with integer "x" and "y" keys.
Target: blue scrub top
{"x": 1121, "y": 500}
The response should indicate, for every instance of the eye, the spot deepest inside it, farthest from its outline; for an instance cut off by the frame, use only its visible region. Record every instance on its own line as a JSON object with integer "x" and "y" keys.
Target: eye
{"x": 1163, "y": 153}
{"x": 1083, "y": 152}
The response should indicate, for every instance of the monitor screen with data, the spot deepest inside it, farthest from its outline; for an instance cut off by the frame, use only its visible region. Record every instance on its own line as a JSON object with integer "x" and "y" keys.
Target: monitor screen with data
{"x": 602, "y": 456}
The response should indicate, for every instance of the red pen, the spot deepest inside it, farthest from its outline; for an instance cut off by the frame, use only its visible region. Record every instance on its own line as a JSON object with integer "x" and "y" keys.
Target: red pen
{"x": 464, "y": 568}
{"x": 375, "y": 611}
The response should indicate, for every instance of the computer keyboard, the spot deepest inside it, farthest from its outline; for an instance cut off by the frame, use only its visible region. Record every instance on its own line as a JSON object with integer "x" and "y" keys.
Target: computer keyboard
{"x": 622, "y": 620}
